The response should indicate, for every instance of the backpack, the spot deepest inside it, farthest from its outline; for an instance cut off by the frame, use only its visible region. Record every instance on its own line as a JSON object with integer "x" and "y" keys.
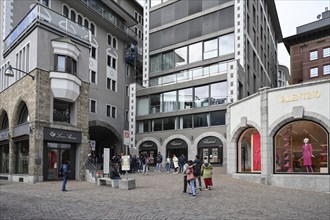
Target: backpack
{"x": 196, "y": 171}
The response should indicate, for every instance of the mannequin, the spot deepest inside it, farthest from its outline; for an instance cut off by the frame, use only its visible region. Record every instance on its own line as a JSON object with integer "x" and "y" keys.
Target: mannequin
{"x": 307, "y": 155}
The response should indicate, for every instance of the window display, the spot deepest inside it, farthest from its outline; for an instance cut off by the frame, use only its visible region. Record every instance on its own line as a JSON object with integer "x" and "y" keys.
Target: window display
{"x": 301, "y": 147}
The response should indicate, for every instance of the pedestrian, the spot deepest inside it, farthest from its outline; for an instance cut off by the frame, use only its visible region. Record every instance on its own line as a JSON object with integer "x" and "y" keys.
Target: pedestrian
{"x": 114, "y": 172}
{"x": 206, "y": 173}
{"x": 175, "y": 164}
{"x": 168, "y": 164}
{"x": 184, "y": 169}
{"x": 191, "y": 178}
{"x": 145, "y": 164}
{"x": 181, "y": 163}
{"x": 65, "y": 169}
{"x": 159, "y": 160}
{"x": 198, "y": 166}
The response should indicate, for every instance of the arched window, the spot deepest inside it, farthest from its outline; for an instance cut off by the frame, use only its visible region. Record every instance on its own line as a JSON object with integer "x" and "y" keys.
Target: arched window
{"x": 4, "y": 122}
{"x": 65, "y": 11}
{"x": 80, "y": 20}
{"x": 86, "y": 23}
{"x": 93, "y": 29}
{"x": 249, "y": 151}
{"x": 24, "y": 115}
{"x": 301, "y": 147}
{"x": 114, "y": 42}
{"x": 109, "y": 40}
{"x": 73, "y": 15}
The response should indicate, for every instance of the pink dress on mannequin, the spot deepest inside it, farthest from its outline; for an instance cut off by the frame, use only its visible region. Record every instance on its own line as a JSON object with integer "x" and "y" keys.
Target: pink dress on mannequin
{"x": 307, "y": 154}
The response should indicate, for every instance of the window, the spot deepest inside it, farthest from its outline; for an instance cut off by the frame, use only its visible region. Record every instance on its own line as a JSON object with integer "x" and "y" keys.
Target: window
{"x": 65, "y": 64}
{"x": 44, "y": 2}
{"x": 195, "y": 52}
{"x": 108, "y": 110}
{"x": 114, "y": 42}
{"x": 210, "y": 49}
{"x": 65, "y": 11}
{"x": 93, "y": 76}
{"x": 113, "y": 85}
{"x": 313, "y": 55}
{"x": 185, "y": 97}
{"x": 24, "y": 115}
{"x": 61, "y": 111}
{"x": 73, "y": 15}
{"x": 180, "y": 56}
{"x": 127, "y": 70}
{"x": 290, "y": 150}
{"x": 314, "y": 72}
{"x": 156, "y": 63}
{"x": 157, "y": 124}
{"x": 169, "y": 101}
{"x": 93, "y": 52}
{"x": 86, "y": 23}
{"x": 111, "y": 62}
{"x": 92, "y": 29}
{"x": 113, "y": 112}
{"x": 167, "y": 60}
{"x": 80, "y": 19}
{"x": 200, "y": 120}
{"x": 226, "y": 44}
{"x": 326, "y": 52}
{"x": 218, "y": 93}
{"x": 185, "y": 122}
{"x": 109, "y": 39}
{"x": 326, "y": 69}
{"x": 108, "y": 83}
{"x": 92, "y": 106}
{"x": 155, "y": 101}
{"x": 201, "y": 96}
{"x": 22, "y": 157}
{"x": 218, "y": 118}
{"x": 169, "y": 123}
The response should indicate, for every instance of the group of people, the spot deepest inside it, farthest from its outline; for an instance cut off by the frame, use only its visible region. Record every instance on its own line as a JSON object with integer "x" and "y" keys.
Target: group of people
{"x": 195, "y": 170}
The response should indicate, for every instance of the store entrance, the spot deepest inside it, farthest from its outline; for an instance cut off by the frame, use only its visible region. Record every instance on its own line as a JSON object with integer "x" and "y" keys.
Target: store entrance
{"x": 58, "y": 153}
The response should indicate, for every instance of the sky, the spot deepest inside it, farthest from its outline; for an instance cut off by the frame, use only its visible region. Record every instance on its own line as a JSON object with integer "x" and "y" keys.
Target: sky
{"x": 292, "y": 14}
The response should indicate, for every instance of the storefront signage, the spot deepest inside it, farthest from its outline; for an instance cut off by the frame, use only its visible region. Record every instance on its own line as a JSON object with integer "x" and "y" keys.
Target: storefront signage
{"x": 148, "y": 145}
{"x": 52, "y": 134}
{"x": 4, "y": 135}
{"x": 210, "y": 142}
{"x": 177, "y": 144}
{"x": 300, "y": 96}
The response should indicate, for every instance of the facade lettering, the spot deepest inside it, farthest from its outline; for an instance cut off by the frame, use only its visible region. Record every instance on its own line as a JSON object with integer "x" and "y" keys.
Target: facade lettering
{"x": 300, "y": 96}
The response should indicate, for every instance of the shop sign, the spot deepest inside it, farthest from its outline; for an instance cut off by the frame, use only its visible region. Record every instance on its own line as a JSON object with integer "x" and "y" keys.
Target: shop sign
{"x": 148, "y": 145}
{"x": 177, "y": 144}
{"x": 4, "y": 135}
{"x": 53, "y": 134}
{"x": 300, "y": 96}
{"x": 210, "y": 142}
{"x": 126, "y": 162}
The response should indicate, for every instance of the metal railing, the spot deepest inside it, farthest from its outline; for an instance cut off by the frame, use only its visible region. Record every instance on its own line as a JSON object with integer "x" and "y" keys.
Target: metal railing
{"x": 91, "y": 167}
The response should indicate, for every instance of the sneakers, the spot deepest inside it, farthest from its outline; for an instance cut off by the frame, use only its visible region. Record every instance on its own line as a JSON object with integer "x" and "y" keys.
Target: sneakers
{"x": 200, "y": 188}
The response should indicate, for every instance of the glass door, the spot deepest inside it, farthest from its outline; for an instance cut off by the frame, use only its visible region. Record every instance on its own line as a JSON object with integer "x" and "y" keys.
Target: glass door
{"x": 58, "y": 153}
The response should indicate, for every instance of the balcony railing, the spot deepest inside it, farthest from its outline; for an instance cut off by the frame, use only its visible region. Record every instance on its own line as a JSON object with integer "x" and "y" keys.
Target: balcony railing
{"x": 53, "y": 19}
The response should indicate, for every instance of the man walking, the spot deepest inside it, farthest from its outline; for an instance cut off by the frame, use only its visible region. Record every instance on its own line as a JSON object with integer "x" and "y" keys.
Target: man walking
{"x": 65, "y": 171}
{"x": 159, "y": 160}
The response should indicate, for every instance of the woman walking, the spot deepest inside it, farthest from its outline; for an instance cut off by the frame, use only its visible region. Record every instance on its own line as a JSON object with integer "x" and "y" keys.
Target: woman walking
{"x": 207, "y": 174}
{"x": 191, "y": 178}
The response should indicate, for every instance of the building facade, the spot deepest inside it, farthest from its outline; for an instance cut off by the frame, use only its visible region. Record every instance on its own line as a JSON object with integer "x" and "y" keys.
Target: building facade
{"x": 199, "y": 57}
{"x": 82, "y": 56}
{"x": 309, "y": 50}
{"x": 266, "y": 143}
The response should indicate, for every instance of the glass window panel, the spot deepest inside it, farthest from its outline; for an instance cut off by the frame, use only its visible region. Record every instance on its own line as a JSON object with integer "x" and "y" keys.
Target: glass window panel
{"x": 155, "y": 63}
{"x": 201, "y": 98}
{"x": 155, "y": 103}
{"x": 22, "y": 157}
{"x": 169, "y": 101}
{"x": 197, "y": 73}
{"x": 169, "y": 123}
{"x": 183, "y": 76}
{"x": 195, "y": 52}
{"x": 155, "y": 81}
{"x": 226, "y": 44}
{"x": 222, "y": 67}
{"x": 326, "y": 69}
{"x": 169, "y": 79}
{"x": 60, "y": 63}
{"x": 200, "y": 120}
{"x": 214, "y": 69}
{"x": 218, "y": 93}
{"x": 218, "y": 118}
{"x": 180, "y": 56}
{"x": 314, "y": 72}
{"x": 313, "y": 55}
{"x": 168, "y": 60}
{"x": 326, "y": 52}
{"x": 157, "y": 124}
{"x": 210, "y": 49}
{"x": 185, "y": 121}
{"x": 143, "y": 106}
{"x": 61, "y": 111}
{"x": 185, "y": 97}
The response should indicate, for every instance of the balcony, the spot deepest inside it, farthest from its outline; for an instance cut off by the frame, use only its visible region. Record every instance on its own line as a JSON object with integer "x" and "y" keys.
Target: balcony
{"x": 41, "y": 14}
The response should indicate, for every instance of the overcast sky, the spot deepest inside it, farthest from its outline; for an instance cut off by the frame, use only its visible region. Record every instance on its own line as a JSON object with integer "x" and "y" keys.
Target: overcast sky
{"x": 292, "y": 14}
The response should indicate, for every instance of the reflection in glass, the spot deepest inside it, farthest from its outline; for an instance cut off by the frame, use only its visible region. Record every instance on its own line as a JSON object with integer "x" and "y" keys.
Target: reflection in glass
{"x": 155, "y": 101}
{"x": 168, "y": 61}
{"x": 180, "y": 56}
{"x": 226, "y": 44}
{"x": 185, "y": 121}
{"x": 185, "y": 97}
{"x": 195, "y": 52}
{"x": 142, "y": 106}
{"x": 210, "y": 49}
{"x": 183, "y": 76}
{"x": 201, "y": 98}
{"x": 201, "y": 120}
{"x": 169, "y": 101}
{"x": 218, "y": 93}
{"x": 155, "y": 63}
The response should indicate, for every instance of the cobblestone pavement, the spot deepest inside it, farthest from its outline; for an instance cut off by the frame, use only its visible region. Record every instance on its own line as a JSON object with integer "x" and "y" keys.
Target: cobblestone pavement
{"x": 159, "y": 196}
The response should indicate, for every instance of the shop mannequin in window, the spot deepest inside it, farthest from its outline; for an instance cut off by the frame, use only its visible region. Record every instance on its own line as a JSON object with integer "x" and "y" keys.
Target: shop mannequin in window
{"x": 307, "y": 155}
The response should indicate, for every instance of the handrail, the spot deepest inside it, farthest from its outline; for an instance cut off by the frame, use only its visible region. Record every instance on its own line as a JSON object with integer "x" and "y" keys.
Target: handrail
{"x": 91, "y": 167}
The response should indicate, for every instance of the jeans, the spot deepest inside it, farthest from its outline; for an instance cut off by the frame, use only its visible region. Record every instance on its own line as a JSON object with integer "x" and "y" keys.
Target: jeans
{"x": 168, "y": 167}
{"x": 65, "y": 180}
{"x": 159, "y": 167}
{"x": 145, "y": 169}
{"x": 199, "y": 181}
{"x": 192, "y": 186}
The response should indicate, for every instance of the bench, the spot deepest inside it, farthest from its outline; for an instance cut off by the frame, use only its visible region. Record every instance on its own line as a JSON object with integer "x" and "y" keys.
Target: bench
{"x": 107, "y": 181}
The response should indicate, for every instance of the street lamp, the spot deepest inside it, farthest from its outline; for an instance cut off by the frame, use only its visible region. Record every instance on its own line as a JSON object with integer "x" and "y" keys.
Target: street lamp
{"x": 10, "y": 73}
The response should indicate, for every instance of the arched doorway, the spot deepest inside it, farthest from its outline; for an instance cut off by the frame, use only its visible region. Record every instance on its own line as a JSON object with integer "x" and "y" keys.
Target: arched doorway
{"x": 150, "y": 148}
{"x": 212, "y": 149}
{"x": 178, "y": 147}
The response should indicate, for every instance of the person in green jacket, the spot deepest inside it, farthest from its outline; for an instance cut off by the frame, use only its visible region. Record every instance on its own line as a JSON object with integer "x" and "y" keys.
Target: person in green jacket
{"x": 206, "y": 171}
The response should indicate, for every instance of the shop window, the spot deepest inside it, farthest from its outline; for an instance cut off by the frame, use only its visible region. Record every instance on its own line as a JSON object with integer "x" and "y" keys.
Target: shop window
{"x": 301, "y": 147}
{"x": 61, "y": 111}
{"x": 249, "y": 151}
{"x": 22, "y": 157}
{"x": 4, "y": 158}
